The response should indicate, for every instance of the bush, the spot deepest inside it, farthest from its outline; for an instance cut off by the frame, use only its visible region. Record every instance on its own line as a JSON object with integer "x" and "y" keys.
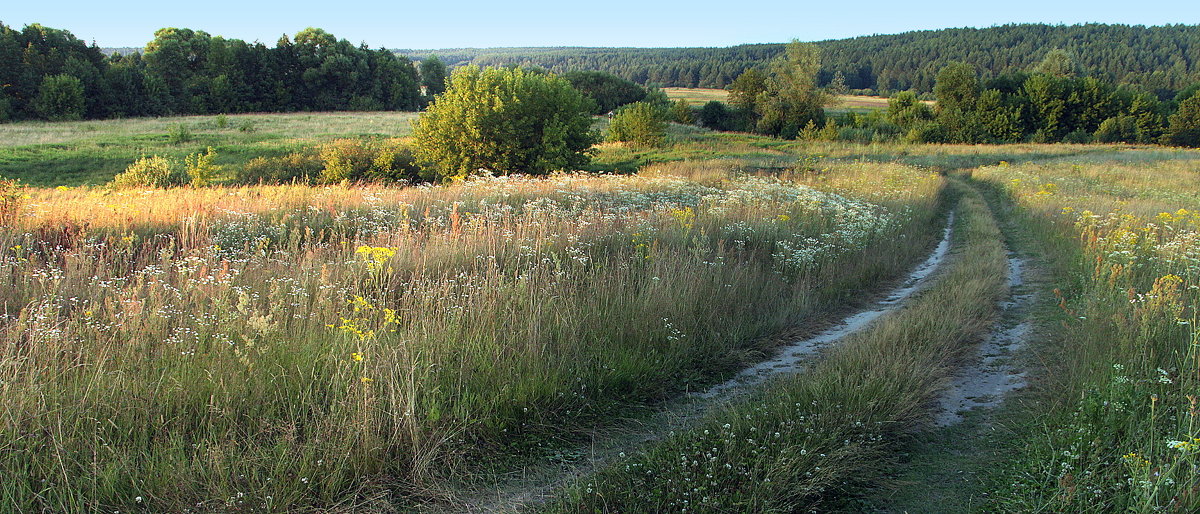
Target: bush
{"x": 1078, "y": 137}
{"x": 681, "y": 112}
{"x": 60, "y": 98}
{"x": 715, "y": 115}
{"x": 391, "y": 160}
{"x": 504, "y": 121}
{"x": 152, "y": 171}
{"x": 607, "y": 90}
{"x": 1184, "y": 125}
{"x": 222, "y": 121}
{"x": 12, "y": 194}
{"x": 178, "y": 133}
{"x": 300, "y": 166}
{"x": 640, "y": 124}
{"x": 1118, "y": 129}
{"x": 200, "y": 168}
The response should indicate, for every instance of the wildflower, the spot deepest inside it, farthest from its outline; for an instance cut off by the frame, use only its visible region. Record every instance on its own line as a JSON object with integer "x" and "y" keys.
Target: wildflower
{"x": 356, "y": 356}
{"x": 366, "y": 380}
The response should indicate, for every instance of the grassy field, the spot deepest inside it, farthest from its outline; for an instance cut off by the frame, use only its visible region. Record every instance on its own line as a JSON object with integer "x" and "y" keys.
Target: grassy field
{"x": 91, "y": 152}
{"x": 356, "y": 348}
{"x": 842, "y": 103}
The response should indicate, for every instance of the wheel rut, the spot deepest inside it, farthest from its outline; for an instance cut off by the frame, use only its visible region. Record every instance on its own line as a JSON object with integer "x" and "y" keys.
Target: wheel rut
{"x": 536, "y": 484}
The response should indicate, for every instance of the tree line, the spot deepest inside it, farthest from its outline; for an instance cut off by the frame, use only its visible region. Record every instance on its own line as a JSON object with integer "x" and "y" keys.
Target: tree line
{"x": 48, "y": 73}
{"x": 1159, "y": 59}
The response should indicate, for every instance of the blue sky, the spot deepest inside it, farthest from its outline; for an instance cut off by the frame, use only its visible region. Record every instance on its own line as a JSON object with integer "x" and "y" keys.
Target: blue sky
{"x": 475, "y": 23}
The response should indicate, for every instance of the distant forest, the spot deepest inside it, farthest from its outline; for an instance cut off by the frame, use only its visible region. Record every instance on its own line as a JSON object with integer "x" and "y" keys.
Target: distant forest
{"x": 48, "y": 73}
{"x": 1160, "y": 59}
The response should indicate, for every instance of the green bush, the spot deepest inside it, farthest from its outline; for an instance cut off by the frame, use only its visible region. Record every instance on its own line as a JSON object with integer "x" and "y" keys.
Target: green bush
{"x": 715, "y": 115}
{"x": 12, "y": 194}
{"x": 154, "y": 171}
{"x": 179, "y": 133}
{"x": 640, "y": 123}
{"x": 299, "y": 166}
{"x": 60, "y": 98}
{"x": 1118, "y": 129}
{"x": 200, "y": 168}
{"x": 504, "y": 121}
{"x": 681, "y": 112}
{"x": 390, "y": 160}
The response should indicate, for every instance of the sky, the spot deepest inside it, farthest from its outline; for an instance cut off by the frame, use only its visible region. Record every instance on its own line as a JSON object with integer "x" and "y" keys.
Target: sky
{"x": 431, "y": 24}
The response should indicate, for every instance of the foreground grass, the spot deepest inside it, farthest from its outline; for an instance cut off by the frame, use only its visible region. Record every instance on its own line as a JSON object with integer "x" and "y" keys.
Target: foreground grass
{"x": 77, "y": 153}
{"x": 803, "y": 438}
{"x": 293, "y": 348}
{"x": 1116, "y": 426}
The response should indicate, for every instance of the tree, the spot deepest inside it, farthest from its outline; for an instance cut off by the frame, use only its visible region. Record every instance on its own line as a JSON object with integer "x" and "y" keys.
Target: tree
{"x": 1184, "y": 125}
{"x": 504, "y": 120}
{"x": 640, "y": 123}
{"x": 60, "y": 98}
{"x": 957, "y": 91}
{"x": 433, "y": 76}
{"x": 681, "y": 112}
{"x": 715, "y": 115}
{"x": 607, "y": 90}
{"x": 1058, "y": 63}
{"x": 744, "y": 91}
{"x": 791, "y": 98}
{"x": 906, "y": 110}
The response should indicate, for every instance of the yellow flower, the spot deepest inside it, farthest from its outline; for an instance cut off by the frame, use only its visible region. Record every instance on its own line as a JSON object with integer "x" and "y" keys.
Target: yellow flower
{"x": 366, "y": 380}
{"x": 356, "y": 356}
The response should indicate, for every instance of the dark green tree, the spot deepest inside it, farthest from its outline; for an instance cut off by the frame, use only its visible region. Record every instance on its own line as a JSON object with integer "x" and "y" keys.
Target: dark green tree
{"x": 60, "y": 98}
{"x": 433, "y": 76}
{"x": 607, "y": 90}
{"x": 1184, "y": 125}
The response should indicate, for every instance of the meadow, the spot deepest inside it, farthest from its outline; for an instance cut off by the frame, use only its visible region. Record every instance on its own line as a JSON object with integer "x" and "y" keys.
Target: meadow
{"x": 368, "y": 347}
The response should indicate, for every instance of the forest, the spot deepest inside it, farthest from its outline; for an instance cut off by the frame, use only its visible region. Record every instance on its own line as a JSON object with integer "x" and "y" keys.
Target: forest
{"x": 49, "y": 73}
{"x": 1160, "y": 59}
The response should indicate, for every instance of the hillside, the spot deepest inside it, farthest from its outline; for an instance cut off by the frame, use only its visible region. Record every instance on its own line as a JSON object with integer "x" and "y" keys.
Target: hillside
{"x": 1160, "y": 58}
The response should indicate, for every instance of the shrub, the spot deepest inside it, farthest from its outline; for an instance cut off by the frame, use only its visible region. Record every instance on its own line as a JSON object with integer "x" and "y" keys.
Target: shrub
{"x": 715, "y": 115}
{"x": 200, "y": 168}
{"x": 179, "y": 133}
{"x": 1184, "y": 128}
{"x": 376, "y": 160}
{"x": 152, "y": 171}
{"x": 12, "y": 194}
{"x": 222, "y": 121}
{"x": 681, "y": 112}
{"x": 60, "y": 98}
{"x": 300, "y": 166}
{"x": 395, "y": 160}
{"x": 1118, "y": 129}
{"x": 640, "y": 124}
{"x": 505, "y": 121}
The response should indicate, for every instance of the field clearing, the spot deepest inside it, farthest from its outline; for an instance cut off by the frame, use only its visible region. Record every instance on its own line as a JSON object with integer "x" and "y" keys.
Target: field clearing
{"x": 696, "y": 96}
{"x": 91, "y": 152}
{"x": 842, "y": 103}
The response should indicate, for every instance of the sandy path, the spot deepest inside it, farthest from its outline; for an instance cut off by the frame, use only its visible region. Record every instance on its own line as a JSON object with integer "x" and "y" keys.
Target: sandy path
{"x": 536, "y": 484}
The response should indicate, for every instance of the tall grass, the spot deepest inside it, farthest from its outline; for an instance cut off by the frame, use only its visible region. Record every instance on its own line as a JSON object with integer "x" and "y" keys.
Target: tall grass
{"x": 1117, "y": 430}
{"x": 803, "y": 438}
{"x": 293, "y": 348}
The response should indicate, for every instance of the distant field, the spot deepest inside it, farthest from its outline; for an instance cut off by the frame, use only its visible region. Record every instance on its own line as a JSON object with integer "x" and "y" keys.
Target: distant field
{"x": 844, "y": 102}
{"x": 91, "y": 152}
{"x": 696, "y": 96}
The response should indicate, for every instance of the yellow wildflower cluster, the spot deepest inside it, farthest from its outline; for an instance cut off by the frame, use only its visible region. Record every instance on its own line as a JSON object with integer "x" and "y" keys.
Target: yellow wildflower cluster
{"x": 1134, "y": 460}
{"x": 1185, "y": 446}
{"x": 377, "y": 256}
{"x": 685, "y": 216}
